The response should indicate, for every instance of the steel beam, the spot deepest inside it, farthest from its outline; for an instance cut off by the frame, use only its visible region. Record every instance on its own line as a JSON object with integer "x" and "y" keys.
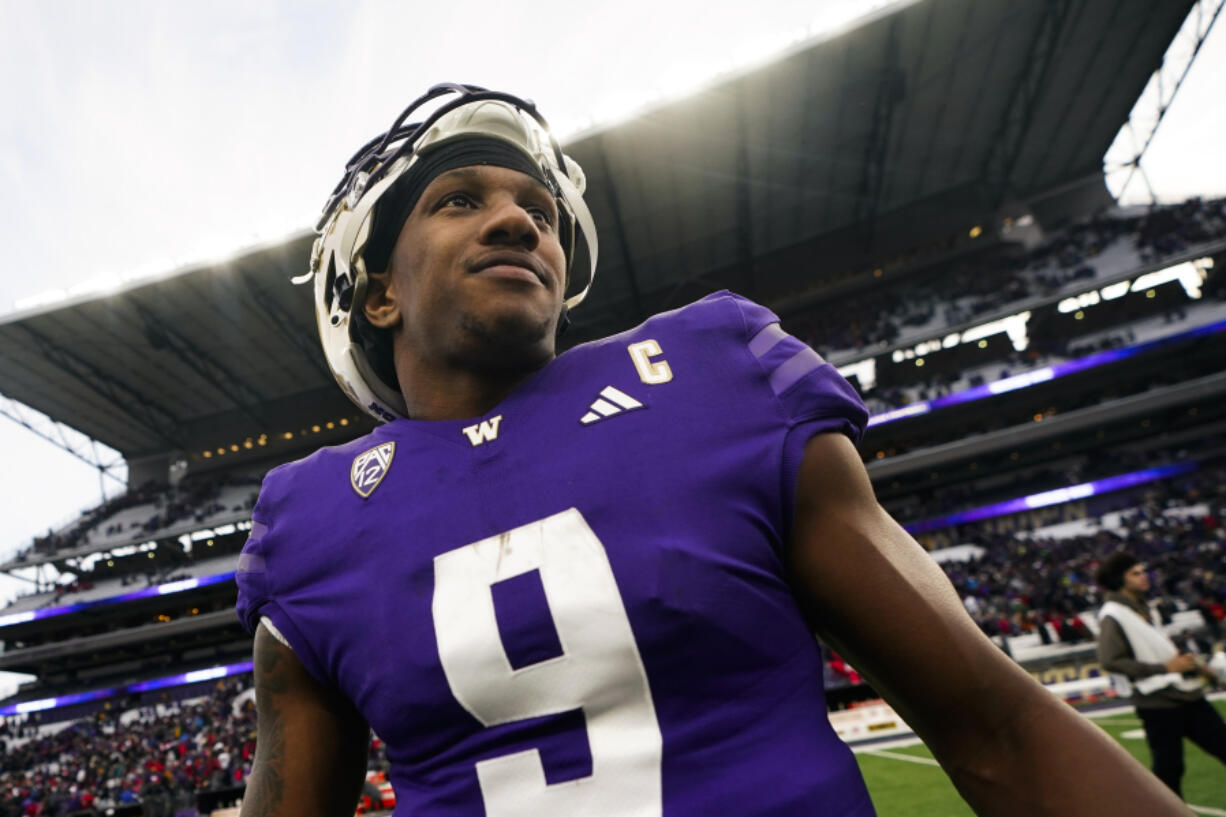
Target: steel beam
{"x": 211, "y": 371}
{"x": 54, "y": 433}
{"x": 1155, "y": 100}
{"x": 1014, "y": 125}
{"x": 835, "y": 158}
{"x": 802, "y": 155}
{"x": 936, "y": 126}
{"x": 151, "y": 416}
{"x": 744, "y": 210}
{"x": 891, "y": 89}
{"x": 291, "y": 329}
{"x": 619, "y": 226}
{"x": 916, "y": 72}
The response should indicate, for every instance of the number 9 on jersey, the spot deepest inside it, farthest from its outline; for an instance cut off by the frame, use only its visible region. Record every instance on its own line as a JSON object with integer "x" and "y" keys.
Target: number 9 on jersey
{"x": 599, "y": 670}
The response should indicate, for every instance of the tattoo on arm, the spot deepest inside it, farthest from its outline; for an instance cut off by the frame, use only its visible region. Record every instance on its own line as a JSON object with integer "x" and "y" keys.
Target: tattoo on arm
{"x": 266, "y": 786}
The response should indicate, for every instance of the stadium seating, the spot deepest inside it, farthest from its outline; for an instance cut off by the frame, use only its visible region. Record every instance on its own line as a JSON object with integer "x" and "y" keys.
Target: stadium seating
{"x": 81, "y": 592}
{"x": 1099, "y": 249}
{"x": 167, "y": 758}
{"x": 996, "y": 368}
{"x": 149, "y": 512}
{"x": 1040, "y": 582}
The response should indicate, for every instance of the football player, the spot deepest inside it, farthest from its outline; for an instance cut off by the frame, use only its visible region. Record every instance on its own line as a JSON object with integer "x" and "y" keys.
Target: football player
{"x": 586, "y": 584}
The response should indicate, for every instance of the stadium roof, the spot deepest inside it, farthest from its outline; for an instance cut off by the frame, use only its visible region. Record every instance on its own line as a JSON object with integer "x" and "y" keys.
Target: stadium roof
{"x": 221, "y": 351}
{"x": 931, "y": 115}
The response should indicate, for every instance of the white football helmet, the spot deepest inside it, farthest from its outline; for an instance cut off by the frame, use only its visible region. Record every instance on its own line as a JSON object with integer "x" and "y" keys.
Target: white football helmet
{"x": 337, "y": 263}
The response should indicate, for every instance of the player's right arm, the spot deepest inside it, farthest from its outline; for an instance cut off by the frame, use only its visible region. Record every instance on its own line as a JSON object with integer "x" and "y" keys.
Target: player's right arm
{"x": 1011, "y": 747}
{"x": 311, "y": 743}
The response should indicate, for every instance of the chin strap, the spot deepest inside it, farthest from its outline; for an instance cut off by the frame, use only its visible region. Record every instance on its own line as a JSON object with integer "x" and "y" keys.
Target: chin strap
{"x": 563, "y": 322}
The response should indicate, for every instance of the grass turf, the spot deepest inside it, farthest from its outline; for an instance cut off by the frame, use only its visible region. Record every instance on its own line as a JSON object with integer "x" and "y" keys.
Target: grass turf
{"x": 903, "y": 788}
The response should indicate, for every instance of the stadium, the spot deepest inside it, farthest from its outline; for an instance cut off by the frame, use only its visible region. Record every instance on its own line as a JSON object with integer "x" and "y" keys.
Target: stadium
{"x": 1043, "y": 368}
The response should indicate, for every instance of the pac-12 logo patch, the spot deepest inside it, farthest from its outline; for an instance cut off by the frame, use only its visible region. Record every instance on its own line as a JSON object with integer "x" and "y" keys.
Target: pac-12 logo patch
{"x": 370, "y": 467}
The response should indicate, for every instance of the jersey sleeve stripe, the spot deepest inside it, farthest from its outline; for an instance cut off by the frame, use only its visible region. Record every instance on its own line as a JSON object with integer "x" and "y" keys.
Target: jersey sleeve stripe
{"x": 766, "y": 339}
{"x": 794, "y": 368}
{"x": 250, "y": 563}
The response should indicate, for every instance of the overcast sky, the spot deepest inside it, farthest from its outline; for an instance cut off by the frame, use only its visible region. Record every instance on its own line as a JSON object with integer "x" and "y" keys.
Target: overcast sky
{"x": 138, "y": 137}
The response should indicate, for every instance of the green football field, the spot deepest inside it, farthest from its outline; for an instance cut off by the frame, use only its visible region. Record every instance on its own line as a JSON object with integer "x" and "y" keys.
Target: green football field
{"x": 906, "y": 782}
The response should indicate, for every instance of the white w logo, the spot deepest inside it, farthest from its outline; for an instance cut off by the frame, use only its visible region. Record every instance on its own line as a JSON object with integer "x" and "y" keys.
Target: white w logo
{"x": 484, "y": 432}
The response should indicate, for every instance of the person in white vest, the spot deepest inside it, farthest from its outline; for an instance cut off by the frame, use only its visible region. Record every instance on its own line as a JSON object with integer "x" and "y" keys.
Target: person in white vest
{"x": 1167, "y": 686}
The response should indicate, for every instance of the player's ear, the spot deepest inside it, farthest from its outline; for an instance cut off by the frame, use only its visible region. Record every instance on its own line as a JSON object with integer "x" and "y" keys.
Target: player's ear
{"x": 382, "y": 307}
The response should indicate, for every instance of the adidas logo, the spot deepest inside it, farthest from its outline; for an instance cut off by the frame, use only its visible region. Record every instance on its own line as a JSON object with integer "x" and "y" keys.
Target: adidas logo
{"x": 611, "y": 401}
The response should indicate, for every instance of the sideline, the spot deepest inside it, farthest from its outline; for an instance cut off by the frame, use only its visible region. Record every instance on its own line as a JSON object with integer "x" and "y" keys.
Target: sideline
{"x": 881, "y": 749}
{"x": 925, "y": 761}
{"x": 910, "y": 739}
{"x": 1209, "y": 811}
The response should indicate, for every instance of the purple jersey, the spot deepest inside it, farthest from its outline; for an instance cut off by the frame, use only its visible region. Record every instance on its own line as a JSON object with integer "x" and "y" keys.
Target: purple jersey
{"x": 576, "y": 604}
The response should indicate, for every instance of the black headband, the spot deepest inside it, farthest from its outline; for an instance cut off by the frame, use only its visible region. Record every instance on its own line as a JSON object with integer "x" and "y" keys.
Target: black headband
{"x": 395, "y": 206}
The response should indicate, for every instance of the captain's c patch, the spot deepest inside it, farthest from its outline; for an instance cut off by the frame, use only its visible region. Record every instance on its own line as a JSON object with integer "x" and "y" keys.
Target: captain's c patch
{"x": 370, "y": 467}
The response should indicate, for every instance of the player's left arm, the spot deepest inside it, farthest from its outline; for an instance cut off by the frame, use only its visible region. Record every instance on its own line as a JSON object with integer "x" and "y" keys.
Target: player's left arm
{"x": 311, "y": 744}
{"x": 875, "y": 595}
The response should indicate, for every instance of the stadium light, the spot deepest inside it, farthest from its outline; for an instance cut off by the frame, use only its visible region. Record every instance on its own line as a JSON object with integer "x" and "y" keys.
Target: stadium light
{"x": 865, "y": 372}
{"x": 1014, "y": 326}
{"x": 1191, "y": 276}
{"x": 16, "y": 618}
{"x": 912, "y": 410}
{"x": 1046, "y": 373}
{"x": 195, "y": 677}
{"x": 166, "y": 589}
{"x": 54, "y": 703}
{"x": 1058, "y": 496}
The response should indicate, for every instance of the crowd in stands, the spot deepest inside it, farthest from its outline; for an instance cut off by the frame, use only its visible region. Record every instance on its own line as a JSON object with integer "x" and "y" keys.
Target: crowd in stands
{"x": 66, "y": 539}
{"x": 964, "y": 290}
{"x": 1021, "y": 583}
{"x": 157, "y": 760}
{"x": 163, "y": 758}
{"x": 192, "y": 500}
{"x": 1165, "y": 231}
{"x": 197, "y": 500}
{"x": 916, "y": 500}
{"x": 1042, "y": 351}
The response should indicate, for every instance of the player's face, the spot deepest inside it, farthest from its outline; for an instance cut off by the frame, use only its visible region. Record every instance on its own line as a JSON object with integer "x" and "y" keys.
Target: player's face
{"x": 1136, "y": 580}
{"x": 479, "y": 269}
